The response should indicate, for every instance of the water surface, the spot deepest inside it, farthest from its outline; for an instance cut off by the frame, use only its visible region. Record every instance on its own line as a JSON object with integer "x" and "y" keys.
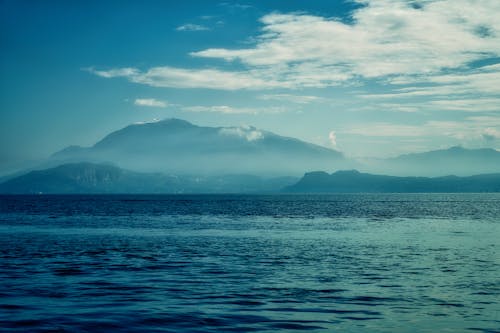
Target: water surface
{"x": 216, "y": 263}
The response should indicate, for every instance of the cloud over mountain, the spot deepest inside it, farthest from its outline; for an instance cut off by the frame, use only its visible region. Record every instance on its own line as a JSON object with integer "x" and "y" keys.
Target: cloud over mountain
{"x": 179, "y": 147}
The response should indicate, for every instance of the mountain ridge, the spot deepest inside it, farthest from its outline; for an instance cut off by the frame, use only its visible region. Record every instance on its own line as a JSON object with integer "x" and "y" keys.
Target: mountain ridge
{"x": 454, "y": 160}
{"x": 177, "y": 146}
{"x": 353, "y": 181}
{"x": 91, "y": 178}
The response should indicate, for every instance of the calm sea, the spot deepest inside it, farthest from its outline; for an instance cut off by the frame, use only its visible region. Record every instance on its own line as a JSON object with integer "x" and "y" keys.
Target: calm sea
{"x": 250, "y": 263}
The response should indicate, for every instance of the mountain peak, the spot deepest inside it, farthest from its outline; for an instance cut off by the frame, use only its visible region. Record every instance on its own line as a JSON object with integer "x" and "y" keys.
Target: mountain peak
{"x": 347, "y": 173}
{"x": 175, "y": 121}
{"x": 344, "y": 182}
{"x": 171, "y": 122}
{"x": 176, "y": 146}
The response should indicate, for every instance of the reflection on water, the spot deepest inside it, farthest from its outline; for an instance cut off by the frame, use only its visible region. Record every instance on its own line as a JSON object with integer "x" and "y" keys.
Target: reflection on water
{"x": 400, "y": 263}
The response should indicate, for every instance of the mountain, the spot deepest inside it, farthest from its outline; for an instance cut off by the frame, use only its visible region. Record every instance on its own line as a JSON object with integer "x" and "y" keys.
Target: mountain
{"x": 179, "y": 147}
{"x": 79, "y": 178}
{"x": 356, "y": 182}
{"x": 102, "y": 178}
{"x": 455, "y": 160}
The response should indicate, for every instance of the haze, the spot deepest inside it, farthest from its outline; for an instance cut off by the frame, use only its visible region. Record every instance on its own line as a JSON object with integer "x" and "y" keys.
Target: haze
{"x": 367, "y": 78}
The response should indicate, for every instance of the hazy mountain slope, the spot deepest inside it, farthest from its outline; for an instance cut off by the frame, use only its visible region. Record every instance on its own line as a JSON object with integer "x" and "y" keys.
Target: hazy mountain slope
{"x": 453, "y": 161}
{"x": 179, "y": 147}
{"x": 79, "y": 178}
{"x": 356, "y": 182}
{"x": 99, "y": 178}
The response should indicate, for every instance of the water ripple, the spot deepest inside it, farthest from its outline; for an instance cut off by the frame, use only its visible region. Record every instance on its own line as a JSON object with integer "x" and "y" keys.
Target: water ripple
{"x": 250, "y": 264}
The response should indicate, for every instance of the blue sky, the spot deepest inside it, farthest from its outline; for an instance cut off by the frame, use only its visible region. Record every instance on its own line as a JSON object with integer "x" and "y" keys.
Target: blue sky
{"x": 367, "y": 77}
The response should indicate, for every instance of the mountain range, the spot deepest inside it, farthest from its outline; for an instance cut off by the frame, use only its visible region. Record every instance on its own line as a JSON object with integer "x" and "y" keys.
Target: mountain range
{"x": 175, "y": 156}
{"x": 178, "y": 147}
{"x": 452, "y": 161}
{"x": 84, "y": 177}
{"x": 353, "y": 181}
{"x": 92, "y": 178}
{"x": 175, "y": 146}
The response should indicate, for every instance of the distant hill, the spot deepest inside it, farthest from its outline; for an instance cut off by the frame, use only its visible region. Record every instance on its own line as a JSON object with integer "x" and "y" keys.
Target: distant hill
{"x": 179, "y": 147}
{"x": 452, "y": 161}
{"x": 81, "y": 178}
{"x": 356, "y": 182}
{"x": 101, "y": 178}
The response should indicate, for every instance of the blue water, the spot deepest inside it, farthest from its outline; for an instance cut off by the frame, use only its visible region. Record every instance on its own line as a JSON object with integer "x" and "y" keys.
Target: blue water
{"x": 215, "y": 263}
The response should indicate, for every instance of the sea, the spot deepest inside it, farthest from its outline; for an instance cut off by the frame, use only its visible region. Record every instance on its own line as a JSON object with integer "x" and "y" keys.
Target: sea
{"x": 250, "y": 263}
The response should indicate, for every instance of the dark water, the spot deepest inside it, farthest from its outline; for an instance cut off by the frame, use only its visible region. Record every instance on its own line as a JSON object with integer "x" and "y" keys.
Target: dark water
{"x": 339, "y": 263}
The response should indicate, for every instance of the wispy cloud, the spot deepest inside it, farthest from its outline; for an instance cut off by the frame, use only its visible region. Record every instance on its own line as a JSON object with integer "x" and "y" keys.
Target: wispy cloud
{"x": 491, "y": 134}
{"x": 111, "y": 73}
{"x": 484, "y": 80}
{"x": 386, "y": 39}
{"x": 192, "y": 27}
{"x": 479, "y": 104}
{"x": 150, "y": 102}
{"x": 300, "y": 99}
{"x": 247, "y": 132}
{"x": 332, "y": 137}
{"x": 485, "y": 121}
{"x": 468, "y": 105}
{"x": 235, "y": 5}
{"x": 172, "y": 77}
{"x": 232, "y": 110}
{"x": 471, "y": 128}
{"x": 152, "y": 121}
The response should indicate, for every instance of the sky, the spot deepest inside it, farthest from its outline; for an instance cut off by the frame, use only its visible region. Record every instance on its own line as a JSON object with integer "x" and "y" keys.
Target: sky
{"x": 371, "y": 78}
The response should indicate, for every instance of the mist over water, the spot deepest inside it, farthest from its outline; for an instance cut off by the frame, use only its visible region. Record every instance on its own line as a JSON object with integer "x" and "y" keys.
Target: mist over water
{"x": 249, "y": 263}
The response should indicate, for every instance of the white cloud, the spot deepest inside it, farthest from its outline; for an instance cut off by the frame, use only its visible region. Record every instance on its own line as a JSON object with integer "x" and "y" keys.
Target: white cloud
{"x": 171, "y": 77}
{"x": 247, "y": 132}
{"x": 451, "y": 103}
{"x": 484, "y": 80}
{"x": 299, "y": 99}
{"x": 154, "y": 120}
{"x": 471, "y": 128}
{"x": 391, "y": 107}
{"x": 332, "y": 137}
{"x": 117, "y": 72}
{"x": 218, "y": 108}
{"x": 474, "y": 90}
{"x": 233, "y": 5}
{"x": 232, "y": 110}
{"x": 192, "y": 27}
{"x": 490, "y": 134}
{"x": 468, "y": 105}
{"x": 385, "y": 39}
{"x": 151, "y": 102}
